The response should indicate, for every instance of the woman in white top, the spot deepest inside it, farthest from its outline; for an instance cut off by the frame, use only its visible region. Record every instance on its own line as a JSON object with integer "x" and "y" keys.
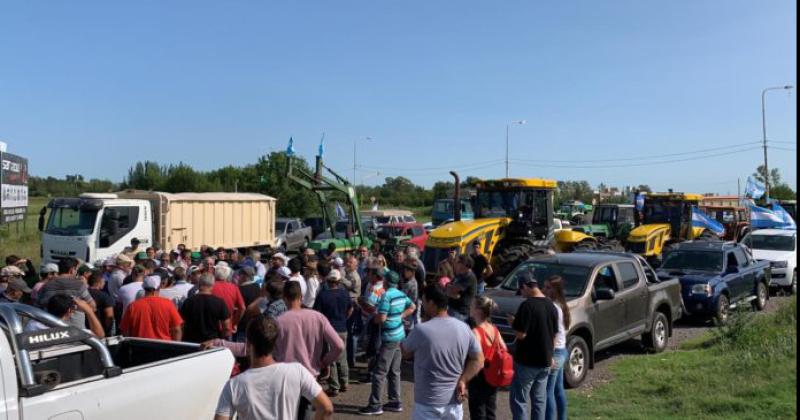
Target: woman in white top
{"x": 556, "y": 396}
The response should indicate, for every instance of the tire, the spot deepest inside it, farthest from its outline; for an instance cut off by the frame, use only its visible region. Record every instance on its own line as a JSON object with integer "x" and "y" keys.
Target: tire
{"x": 585, "y": 245}
{"x": 792, "y": 290}
{"x": 762, "y": 294}
{"x": 722, "y": 312}
{"x": 612, "y": 245}
{"x": 576, "y": 367}
{"x": 657, "y": 339}
{"x": 510, "y": 257}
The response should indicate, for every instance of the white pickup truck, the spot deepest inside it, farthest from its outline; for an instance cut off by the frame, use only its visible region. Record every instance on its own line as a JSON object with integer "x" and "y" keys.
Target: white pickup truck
{"x": 63, "y": 373}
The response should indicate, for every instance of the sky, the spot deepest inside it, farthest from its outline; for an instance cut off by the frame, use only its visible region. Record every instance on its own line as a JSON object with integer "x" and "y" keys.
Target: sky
{"x": 619, "y": 92}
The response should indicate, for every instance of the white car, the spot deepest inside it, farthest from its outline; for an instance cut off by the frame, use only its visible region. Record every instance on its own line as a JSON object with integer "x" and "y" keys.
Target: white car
{"x": 779, "y": 247}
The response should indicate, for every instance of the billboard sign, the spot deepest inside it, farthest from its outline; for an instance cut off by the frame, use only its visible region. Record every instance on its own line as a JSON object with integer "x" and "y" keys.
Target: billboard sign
{"x": 13, "y": 187}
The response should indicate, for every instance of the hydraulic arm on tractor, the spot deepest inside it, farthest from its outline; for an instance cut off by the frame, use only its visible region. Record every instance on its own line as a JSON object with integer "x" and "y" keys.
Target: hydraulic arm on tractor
{"x": 323, "y": 187}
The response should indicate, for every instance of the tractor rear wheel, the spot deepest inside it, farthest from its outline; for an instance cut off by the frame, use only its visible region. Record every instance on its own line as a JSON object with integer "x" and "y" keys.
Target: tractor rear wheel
{"x": 586, "y": 245}
{"x": 612, "y": 245}
{"x": 510, "y": 257}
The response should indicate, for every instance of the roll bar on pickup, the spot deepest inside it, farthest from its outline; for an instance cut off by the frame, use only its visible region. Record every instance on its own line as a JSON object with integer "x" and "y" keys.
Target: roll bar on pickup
{"x": 59, "y": 333}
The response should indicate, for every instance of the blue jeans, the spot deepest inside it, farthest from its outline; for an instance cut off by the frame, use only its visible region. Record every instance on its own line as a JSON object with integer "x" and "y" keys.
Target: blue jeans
{"x": 529, "y": 383}
{"x": 556, "y": 396}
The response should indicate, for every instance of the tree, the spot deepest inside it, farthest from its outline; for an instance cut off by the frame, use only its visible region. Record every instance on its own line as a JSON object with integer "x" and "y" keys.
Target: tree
{"x": 760, "y": 175}
{"x": 644, "y": 188}
{"x": 782, "y": 192}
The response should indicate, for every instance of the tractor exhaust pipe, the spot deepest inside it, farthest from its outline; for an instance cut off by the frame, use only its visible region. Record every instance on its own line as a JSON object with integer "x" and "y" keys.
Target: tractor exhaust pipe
{"x": 456, "y": 198}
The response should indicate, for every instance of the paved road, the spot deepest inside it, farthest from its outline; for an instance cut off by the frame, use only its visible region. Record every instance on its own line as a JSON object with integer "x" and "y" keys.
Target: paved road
{"x": 347, "y": 404}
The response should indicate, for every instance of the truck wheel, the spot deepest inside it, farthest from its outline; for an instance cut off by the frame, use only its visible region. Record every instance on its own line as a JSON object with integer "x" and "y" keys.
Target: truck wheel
{"x": 761, "y": 297}
{"x": 577, "y": 364}
{"x": 510, "y": 257}
{"x": 656, "y": 340}
{"x": 723, "y": 310}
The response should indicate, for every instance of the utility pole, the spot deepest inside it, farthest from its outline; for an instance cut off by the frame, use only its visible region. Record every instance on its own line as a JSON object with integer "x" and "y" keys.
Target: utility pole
{"x": 764, "y": 132}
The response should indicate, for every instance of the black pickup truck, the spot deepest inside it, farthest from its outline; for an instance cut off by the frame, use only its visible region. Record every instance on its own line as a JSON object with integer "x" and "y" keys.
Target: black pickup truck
{"x": 612, "y": 297}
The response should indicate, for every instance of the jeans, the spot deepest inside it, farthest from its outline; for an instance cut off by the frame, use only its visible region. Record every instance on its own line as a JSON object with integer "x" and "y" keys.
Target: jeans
{"x": 387, "y": 367}
{"x": 556, "y": 396}
{"x": 339, "y": 369}
{"x": 482, "y": 399}
{"x": 429, "y": 412}
{"x": 530, "y": 383}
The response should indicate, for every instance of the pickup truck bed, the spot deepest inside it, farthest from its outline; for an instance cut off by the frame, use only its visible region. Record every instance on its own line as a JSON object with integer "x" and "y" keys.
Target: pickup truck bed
{"x": 115, "y": 378}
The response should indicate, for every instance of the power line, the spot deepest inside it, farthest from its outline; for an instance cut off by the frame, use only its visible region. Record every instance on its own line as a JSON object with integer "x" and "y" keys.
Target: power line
{"x": 523, "y": 163}
{"x": 441, "y": 168}
{"x": 643, "y": 157}
{"x": 788, "y": 149}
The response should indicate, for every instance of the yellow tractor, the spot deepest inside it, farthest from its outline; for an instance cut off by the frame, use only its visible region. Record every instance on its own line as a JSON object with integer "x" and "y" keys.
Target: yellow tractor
{"x": 666, "y": 219}
{"x": 513, "y": 220}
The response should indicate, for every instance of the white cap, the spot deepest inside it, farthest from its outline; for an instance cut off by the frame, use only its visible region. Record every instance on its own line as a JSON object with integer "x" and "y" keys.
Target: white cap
{"x": 284, "y": 272}
{"x": 335, "y": 275}
{"x": 281, "y": 256}
{"x": 338, "y": 262}
{"x": 152, "y": 282}
{"x": 49, "y": 268}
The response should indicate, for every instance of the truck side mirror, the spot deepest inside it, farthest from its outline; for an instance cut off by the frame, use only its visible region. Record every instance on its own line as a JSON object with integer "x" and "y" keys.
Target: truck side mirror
{"x": 42, "y": 213}
{"x": 604, "y": 293}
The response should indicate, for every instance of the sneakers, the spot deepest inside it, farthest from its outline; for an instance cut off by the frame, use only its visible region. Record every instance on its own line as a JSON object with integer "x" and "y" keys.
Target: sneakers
{"x": 370, "y": 411}
{"x": 394, "y": 407}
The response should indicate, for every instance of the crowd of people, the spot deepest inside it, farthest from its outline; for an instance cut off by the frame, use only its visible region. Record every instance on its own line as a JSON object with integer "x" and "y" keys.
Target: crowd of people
{"x": 298, "y": 325}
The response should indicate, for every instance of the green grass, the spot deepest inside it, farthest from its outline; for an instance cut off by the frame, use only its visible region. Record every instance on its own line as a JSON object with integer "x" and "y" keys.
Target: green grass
{"x": 21, "y": 239}
{"x": 745, "y": 371}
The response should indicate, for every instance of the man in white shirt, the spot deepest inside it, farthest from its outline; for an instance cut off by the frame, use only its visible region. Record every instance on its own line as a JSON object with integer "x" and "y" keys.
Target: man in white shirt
{"x": 270, "y": 390}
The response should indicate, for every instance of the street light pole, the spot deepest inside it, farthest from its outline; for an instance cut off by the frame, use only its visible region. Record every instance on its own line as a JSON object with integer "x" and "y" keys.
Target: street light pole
{"x": 520, "y": 122}
{"x": 764, "y": 132}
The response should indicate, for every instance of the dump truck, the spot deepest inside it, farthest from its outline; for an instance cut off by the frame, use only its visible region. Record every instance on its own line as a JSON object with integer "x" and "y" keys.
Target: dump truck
{"x": 93, "y": 227}
{"x": 513, "y": 222}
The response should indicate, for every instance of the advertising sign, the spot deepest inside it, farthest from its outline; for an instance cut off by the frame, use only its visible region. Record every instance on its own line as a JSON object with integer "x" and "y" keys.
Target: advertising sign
{"x": 13, "y": 187}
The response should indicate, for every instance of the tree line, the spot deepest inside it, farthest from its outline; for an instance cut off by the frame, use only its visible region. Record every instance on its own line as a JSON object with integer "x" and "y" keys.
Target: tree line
{"x": 267, "y": 176}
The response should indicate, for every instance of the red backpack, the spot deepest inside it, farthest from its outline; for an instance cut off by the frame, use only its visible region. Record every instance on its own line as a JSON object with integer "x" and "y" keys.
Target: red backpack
{"x": 499, "y": 369}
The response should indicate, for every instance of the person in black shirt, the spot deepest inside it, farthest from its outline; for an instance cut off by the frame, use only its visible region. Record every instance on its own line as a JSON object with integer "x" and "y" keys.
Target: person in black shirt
{"x": 205, "y": 316}
{"x": 462, "y": 289}
{"x": 104, "y": 301}
{"x": 480, "y": 266}
{"x": 536, "y": 325}
{"x": 250, "y": 292}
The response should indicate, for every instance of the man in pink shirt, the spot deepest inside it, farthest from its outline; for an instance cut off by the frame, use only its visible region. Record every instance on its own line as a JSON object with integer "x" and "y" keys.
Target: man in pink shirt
{"x": 303, "y": 333}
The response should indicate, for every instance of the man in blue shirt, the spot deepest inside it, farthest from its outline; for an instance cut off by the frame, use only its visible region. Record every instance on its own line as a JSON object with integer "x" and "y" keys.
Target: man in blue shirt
{"x": 392, "y": 308}
{"x": 334, "y": 302}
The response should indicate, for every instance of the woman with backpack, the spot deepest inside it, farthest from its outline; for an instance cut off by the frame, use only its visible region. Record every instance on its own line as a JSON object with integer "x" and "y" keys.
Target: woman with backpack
{"x": 556, "y": 396}
{"x": 498, "y": 363}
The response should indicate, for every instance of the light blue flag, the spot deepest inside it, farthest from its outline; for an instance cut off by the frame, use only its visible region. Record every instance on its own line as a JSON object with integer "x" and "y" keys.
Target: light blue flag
{"x": 788, "y": 222}
{"x": 290, "y": 148}
{"x": 700, "y": 219}
{"x": 763, "y": 218}
{"x": 321, "y": 150}
{"x": 753, "y": 189}
{"x": 640, "y": 202}
{"x": 340, "y": 213}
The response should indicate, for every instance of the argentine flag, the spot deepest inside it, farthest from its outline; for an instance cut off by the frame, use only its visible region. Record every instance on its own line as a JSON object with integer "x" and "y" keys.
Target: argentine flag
{"x": 340, "y": 213}
{"x": 754, "y": 189}
{"x": 290, "y": 148}
{"x": 700, "y": 219}
{"x": 763, "y": 218}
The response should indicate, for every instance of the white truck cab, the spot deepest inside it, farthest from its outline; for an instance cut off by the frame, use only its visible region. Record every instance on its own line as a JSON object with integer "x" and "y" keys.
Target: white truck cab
{"x": 93, "y": 227}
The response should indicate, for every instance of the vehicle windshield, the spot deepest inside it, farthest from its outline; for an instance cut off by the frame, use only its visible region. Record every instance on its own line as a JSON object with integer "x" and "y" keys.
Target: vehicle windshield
{"x": 527, "y": 203}
{"x": 693, "y": 260}
{"x": 280, "y": 226}
{"x": 71, "y": 222}
{"x": 603, "y": 215}
{"x": 382, "y": 220}
{"x": 443, "y": 206}
{"x": 390, "y": 232}
{"x": 575, "y": 277}
{"x": 662, "y": 211}
{"x": 772, "y": 243}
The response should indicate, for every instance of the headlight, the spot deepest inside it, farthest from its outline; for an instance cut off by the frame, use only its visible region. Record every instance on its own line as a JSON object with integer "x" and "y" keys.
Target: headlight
{"x": 701, "y": 289}
{"x": 779, "y": 264}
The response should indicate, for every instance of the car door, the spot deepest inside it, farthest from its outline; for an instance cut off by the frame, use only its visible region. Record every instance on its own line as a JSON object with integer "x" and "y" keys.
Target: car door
{"x": 609, "y": 315}
{"x": 291, "y": 235}
{"x": 746, "y": 272}
{"x": 734, "y": 280}
{"x": 634, "y": 294}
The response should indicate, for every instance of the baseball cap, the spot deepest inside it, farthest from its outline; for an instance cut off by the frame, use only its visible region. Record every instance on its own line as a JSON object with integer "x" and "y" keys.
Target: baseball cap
{"x": 338, "y": 262}
{"x": 192, "y": 269}
{"x": 152, "y": 283}
{"x": 18, "y": 284}
{"x": 49, "y": 268}
{"x": 284, "y": 272}
{"x": 124, "y": 259}
{"x": 141, "y": 256}
{"x": 11, "y": 271}
{"x": 84, "y": 268}
{"x": 393, "y": 278}
{"x": 334, "y": 275}
{"x": 281, "y": 256}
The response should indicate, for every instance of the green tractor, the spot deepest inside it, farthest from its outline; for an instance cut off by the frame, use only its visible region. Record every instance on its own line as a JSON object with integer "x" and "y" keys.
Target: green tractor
{"x": 609, "y": 229}
{"x": 347, "y": 238}
{"x": 574, "y": 211}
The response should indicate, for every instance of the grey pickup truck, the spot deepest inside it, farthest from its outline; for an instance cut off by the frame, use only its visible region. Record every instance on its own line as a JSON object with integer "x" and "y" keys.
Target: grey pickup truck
{"x": 612, "y": 298}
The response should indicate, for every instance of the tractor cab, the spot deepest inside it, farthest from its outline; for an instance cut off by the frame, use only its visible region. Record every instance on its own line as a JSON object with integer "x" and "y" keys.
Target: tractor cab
{"x": 513, "y": 220}
{"x": 612, "y": 221}
{"x": 728, "y": 211}
{"x": 666, "y": 218}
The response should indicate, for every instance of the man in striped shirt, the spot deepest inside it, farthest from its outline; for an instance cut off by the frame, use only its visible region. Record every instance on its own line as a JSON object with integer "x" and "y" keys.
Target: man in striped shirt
{"x": 392, "y": 308}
